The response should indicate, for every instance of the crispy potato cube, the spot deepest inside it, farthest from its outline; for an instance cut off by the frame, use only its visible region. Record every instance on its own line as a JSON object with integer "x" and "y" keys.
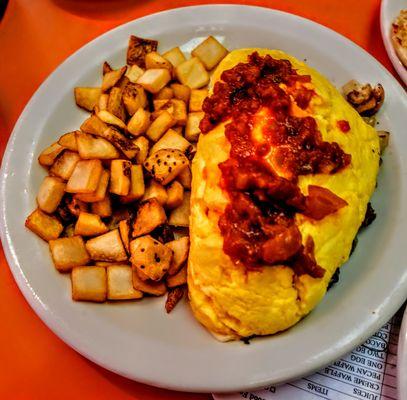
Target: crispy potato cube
{"x": 50, "y": 194}
{"x": 65, "y": 165}
{"x": 87, "y": 97}
{"x": 173, "y": 297}
{"x": 161, "y": 105}
{"x": 179, "y": 111}
{"x": 175, "y": 195}
{"x": 192, "y": 73}
{"x": 120, "y": 283}
{"x": 139, "y": 122}
{"x": 171, "y": 140}
{"x": 180, "y": 250}
{"x": 68, "y": 252}
{"x": 185, "y": 178}
{"x": 106, "y": 68}
{"x": 150, "y": 256}
{"x": 94, "y": 125}
{"x": 180, "y": 215}
{"x": 110, "y": 263}
{"x": 124, "y": 144}
{"x": 111, "y": 78}
{"x": 196, "y": 99}
{"x": 138, "y": 49}
{"x": 68, "y": 140}
{"x": 165, "y": 93}
{"x": 175, "y": 56}
{"x": 85, "y": 177}
{"x": 178, "y": 129}
{"x": 165, "y": 164}
{"x": 137, "y": 187}
{"x": 160, "y": 125}
{"x": 120, "y": 171}
{"x": 102, "y": 208}
{"x": 148, "y": 286}
{"x": 134, "y": 97}
{"x": 115, "y": 104}
{"x": 157, "y": 191}
{"x": 192, "y": 130}
{"x": 46, "y": 226}
{"x": 153, "y": 80}
{"x": 181, "y": 92}
{"x": 103, "y": 100}
{"x": 124, "y": 230}
{"x": 210, "y": 52}
{"x": 134, "y": 72}
{"x": 111, "y": 119}
{"x": 90, "y": 147}
{"x": 150, "y": 214}
{"x": 123, "y": 82}
{"x": 100, "y": 193}
{"x": 155, "y": 60}
{"x": 107, "y": 247}
{"x": 143, "y": 144}
{"x": 180, "y": 278}
{"x": 48, "y": 155}
{"x": 89, "y": 284}
{"x": 89, "y": 225}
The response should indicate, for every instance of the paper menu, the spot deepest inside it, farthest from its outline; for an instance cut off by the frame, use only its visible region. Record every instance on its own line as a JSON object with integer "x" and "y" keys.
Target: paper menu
{"x": 367, "y": 373}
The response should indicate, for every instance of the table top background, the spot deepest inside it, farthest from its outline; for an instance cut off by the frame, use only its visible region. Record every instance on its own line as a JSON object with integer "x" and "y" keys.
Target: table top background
{"x": 35, "y": 37}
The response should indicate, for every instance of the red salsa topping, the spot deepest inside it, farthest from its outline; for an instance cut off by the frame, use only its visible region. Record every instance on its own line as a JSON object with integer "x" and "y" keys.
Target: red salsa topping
{"x": 343, "y": 125}
{"x": 258, "y": 225}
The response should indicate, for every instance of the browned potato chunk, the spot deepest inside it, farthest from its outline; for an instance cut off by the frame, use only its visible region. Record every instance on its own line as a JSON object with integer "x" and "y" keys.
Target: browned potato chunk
{"x": 180, "y": 249}
{"x": 68, "y": 252}
{"x": 110, "y": 263}
{"x": 106, "y": 68}
{"x": 171, "y": 140}
{"x": 150, "y": 287}
{"x": 102, "y": 208}
{"x": 178, "y": 129}
{"x": 180, "y": 111}
{"x": 150, "y": 256}
{"x": 165, "y": 164}
{"x": 94, "y": 125}
{"x": 111, "y": 119}
{"x": 100, "y": 193}
{"x": 111, "y": 78}
{"x": 210, "y": 52}
{"x": 89, "y": 284}
{"x": 87, "y": 97}
{"x": 160, "y": 125}
{"x": 180, "y": 215}
{"x": 192, "y": 73}
{"x": 139, "y": 122}
{"x": 89, "y": 225}
{"x": 120, "y": 171}
{"x": 196, "y": 99}
{"x": 175, "y": 56}
{"x": 149, "y": 215}
{"x": 48, "y": 155}
{"x": 124, "y": 230}
{"x": 85, "y": 177}
{"x": 138, "y": 49}
{"x": 134, "y": 97}
{"x": 157, "y": 191}
{"x": 124, "y": 144}
{"x": 180, "y": 278}
{"x": 115, "y": 104}
{"x": 155, "y": 60}
{"x": 74, "y": 205}
{"x": 120, "y": 283}
{"x": 95, "y": 147}
{"x": 161, "y": 105}
{"x": 103, "y": 100}
{"x": 50, "y": 194}
{"x": 175, "y": 195}
{"x": 192, "y": 130}
{"x": 46, "y": 226}
{"x": 181, "y": 92}
{"x": 137, "y": 187}
{"x": 107, "y": 247}
{"x": 65, "y": 165}
{"x": 134, "y": 72}
{"x": 185, "y": 178}
{"x": 173, "y": 297}
{"x": 143, "y": 144}
{"x": 68, "y": 140}
{"x": 153, "y": 80}
{"x": 165, "y": 93}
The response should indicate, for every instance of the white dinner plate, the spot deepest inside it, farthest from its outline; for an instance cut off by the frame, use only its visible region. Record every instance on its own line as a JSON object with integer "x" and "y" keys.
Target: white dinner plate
{"x": 139, "y": 340}
{"x": 402, "y": 359}
{"x": 388, "y": 12}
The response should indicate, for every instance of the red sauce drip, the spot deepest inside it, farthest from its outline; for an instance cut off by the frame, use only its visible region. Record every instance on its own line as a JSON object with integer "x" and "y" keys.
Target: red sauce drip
{"x": 343, "y": 125}
{"x": 258, "y": 224}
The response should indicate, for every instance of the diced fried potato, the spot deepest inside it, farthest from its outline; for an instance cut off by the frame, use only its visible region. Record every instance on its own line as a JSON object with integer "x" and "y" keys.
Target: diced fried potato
{"x": 122, "y": 83}
{"x": 180, "y": 215}
{"x": 85, "y": 177}
{"x": 175, "y": 195}
{"x": 154, "y": 60}
{"x": 89, "y": 284}
{"x": 110, "y": 263}
{"x": 103, "y": 100}
{"x": 120, "y": 171}
{"x": 102, "y": 208}
{"x": 115, "y": 104}
{"x": 46, "y": 226}
{"x": 196, "y": 99}
{"x": 157, "y": 191}
{"x": 106, "y": 68}
{"x": 150, "y": 256}
{"x": 180, "y": 250}
{"x": 124, "y": 230}
{"x": 180, "y": 278}
{"x": 165, "y": 164}
{"x": 137, "y": 187}
{"x": 134, "y": 72}
{"x": 48, "y": 155}
{"x": 173, "y": 297}
{"x": 87, "y": 97}
{"x": 134, "y": 97}
{"x": 120, "y": 283}
{"x": 111, "y": 119}
{"x": 175, "y": 56}
{"x": 90, "y": 147}
{"x": 149, "y": 215}
{"x": 90, "y": 225}
{"x": 74, "y": 205}
{"x": 68, "y": 140}
{"x": 165, "y": 93}
{"x": 210, "y": 52}
{"x": 138, "y": 49}
{"x": 161, "y": 105}
{"x": 192, "y": 130}
{"x": 178, "y": 129}
{"x": 111, "y": 78}
{"x": 94, "y": 125}
{"x": 107, "y": 247}
{"x": 171, "y": 140}
{"x": 185, "y": 178}
{"x": 139, "y": 122}
{"x": 150, "y": 287}
{"x": 65, "y": 164}
{"x": 68, "y": 252}
{"x": 160, "y": 125}
{"x": 143, "y": 144}
{"x": 181, "y": 92}
{"x": 180, "y": 111}
{"x": 192, "y": 73}
{"x": 100, "y": 193}
{"x": 153, "y": 80}
{"x": 50, "y": 194}
{"x": 119, "y": 214}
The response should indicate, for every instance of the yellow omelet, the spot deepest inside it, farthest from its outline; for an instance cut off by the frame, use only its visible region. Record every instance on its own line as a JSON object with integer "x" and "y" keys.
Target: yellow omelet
{"x": 233, "y": 302}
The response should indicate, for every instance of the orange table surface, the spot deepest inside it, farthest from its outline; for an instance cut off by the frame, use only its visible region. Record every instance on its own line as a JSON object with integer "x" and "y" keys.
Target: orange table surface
{"x": 35, "y": 37}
